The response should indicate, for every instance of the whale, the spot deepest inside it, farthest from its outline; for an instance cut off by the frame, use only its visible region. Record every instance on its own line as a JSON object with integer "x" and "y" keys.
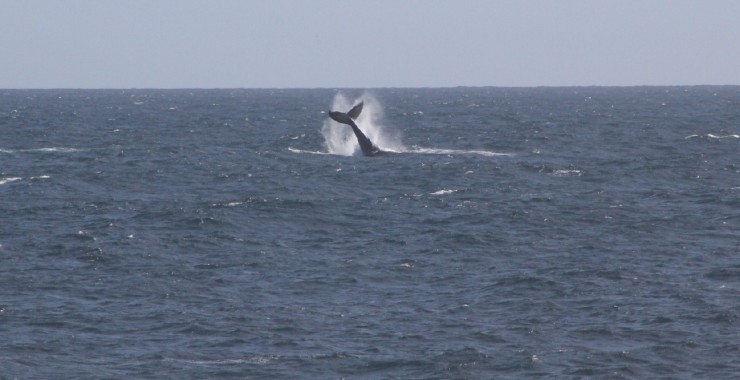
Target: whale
{"x": 367, "y": 146}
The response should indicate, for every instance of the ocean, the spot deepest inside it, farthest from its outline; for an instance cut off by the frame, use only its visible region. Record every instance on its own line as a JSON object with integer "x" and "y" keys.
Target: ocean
{"x": 586, "y": 232}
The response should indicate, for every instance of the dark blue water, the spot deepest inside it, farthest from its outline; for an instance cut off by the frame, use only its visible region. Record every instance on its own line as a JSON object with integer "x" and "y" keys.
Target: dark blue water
{"x": 516, "y": 233}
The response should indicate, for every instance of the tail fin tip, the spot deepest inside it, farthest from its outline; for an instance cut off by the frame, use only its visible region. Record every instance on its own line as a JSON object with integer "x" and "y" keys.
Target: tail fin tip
{"x": 354, "y": 113}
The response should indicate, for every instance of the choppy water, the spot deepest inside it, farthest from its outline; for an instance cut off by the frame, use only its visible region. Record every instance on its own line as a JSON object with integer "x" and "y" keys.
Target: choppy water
{"x": 516, "y": 233}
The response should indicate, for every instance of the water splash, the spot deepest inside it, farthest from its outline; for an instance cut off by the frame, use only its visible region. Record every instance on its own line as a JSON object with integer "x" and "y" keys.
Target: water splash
{"x": 339, "y": 138}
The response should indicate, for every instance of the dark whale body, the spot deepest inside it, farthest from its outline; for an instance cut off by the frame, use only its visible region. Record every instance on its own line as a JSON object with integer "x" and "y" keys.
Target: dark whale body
{"x": 367, "y": 146}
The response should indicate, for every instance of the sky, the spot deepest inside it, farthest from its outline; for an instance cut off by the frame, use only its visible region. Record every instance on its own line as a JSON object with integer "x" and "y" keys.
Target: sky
{"x": 367, "y": 43}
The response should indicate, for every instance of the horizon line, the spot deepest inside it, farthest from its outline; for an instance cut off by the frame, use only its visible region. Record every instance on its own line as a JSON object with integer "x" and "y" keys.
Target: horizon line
{"x": 357, "y": 88}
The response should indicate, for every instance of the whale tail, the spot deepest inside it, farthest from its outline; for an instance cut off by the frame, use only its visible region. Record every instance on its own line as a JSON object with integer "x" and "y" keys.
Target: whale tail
{"x": 368, "y": 148}
{"x": 354, "y": 113}
{"x": 346, "y": 118}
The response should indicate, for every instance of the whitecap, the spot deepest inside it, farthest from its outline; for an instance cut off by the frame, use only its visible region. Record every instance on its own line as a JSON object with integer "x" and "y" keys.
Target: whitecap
{"x": 567, "y": 172}
{"x": 9, "y": 179}
{"x": 228, "y": 204}
{"x": 443, "y": 192}
{"x": 712, "y": 136}
{"x": 257, "y": 359}
{"x": 42, "y": 150}
{"x": 294, "y": 150}
{"x": 54, "y": 150}
{"x": 486, "y": 153}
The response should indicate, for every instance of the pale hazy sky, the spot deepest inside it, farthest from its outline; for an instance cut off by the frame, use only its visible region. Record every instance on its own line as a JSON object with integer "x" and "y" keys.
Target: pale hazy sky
{"x": 367, "y": 43}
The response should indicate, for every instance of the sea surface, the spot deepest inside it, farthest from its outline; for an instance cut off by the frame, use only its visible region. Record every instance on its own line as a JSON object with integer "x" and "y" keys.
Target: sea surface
{"x": 508, "y": 233}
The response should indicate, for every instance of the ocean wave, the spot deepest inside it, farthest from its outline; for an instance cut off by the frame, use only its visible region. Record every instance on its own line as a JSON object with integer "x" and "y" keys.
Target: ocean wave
{"x": 294, "y": 150}
{"x": 43, "y": 150}
{"x": 222, "y": 252}
{"x": 486, "y": 153}
{"x": 258, "y": 359}
{"x": 567, "y": 173}
{"x": 418, "y": 150}
{"x": 13, "y": 179}
{"x": 443, "y": 192}
{"x": 713, "y": 136}
{"x": 3, "y": 181}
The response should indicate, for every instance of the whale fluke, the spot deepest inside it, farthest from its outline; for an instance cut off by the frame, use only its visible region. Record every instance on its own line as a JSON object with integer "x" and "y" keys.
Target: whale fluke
{"x": 367, "y": 146}
{"x": 354, "y": 113}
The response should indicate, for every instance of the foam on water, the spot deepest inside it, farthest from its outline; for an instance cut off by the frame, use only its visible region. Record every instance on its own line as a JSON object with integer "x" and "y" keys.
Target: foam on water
{"x": 42, "y": 150}
{"x": 713, "y": 136}
{"x": 5, "y": 180}
{"x": 486, "y": 153}
{"x": 294, "y": 150}
{"x": 443, "y": 192}
{"x": 9, "y": 179}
